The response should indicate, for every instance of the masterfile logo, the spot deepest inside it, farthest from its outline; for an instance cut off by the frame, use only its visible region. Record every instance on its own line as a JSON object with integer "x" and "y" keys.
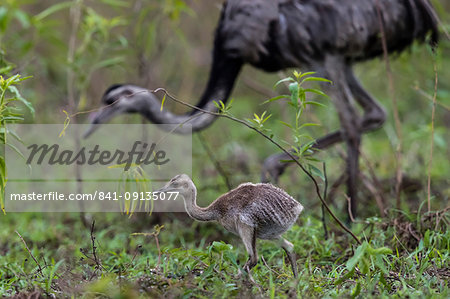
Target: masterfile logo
{"x": 52, "y": 155}
{"x": 117, "y": 163}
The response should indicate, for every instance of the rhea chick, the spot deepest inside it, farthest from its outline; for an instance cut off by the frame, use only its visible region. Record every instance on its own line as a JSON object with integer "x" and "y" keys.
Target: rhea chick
{"x": 250, "y": 211}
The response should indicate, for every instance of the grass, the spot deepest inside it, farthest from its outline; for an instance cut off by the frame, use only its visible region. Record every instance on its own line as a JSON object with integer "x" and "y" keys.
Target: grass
{"x": 203, "y": 261}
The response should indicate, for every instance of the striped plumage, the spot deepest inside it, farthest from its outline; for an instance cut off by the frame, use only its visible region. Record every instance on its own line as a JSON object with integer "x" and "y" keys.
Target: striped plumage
{"x": 250, "y": 211}
{"x": 263, "y": 206}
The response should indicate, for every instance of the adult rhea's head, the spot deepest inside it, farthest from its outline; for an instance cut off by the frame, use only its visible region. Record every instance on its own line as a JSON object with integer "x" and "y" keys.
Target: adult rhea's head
{"x": 118, "y": 99}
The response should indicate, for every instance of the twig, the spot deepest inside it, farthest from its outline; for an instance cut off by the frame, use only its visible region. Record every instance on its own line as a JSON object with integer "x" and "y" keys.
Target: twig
{"x": 268, "y": 267}
{"x": 75, "y": 17}
{"x": 350, "y": 214}
{"x": 94, "y": 248}
{"x": 398, "y": 128}
{"x": 429, "y": 97}
{"x": 324, "y": 222}
{"x": 316, "y": 185}
{"x": 433, "y": 110}
{"x": 159, "y": 251}
{"x": 155, "y": 235}
{"x": 213, "y": 159}
{"x": 31, "y": 254}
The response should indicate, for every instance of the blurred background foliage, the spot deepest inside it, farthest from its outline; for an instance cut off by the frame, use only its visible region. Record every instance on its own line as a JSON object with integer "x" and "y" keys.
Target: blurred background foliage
{"x": 75, "y": 49}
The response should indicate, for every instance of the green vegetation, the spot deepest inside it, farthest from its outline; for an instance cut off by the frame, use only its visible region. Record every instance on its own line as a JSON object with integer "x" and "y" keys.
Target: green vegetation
{"x": 193, "y": 262}
{"x": 75, "y": 49}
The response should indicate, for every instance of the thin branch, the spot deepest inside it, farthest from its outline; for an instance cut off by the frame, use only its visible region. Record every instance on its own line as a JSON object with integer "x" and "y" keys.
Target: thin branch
{"x": 350, "y": 214}
{"x": 324, "y": 220}
{"x": 94, "y": 248}
{"x": 75, "y": 19}
{"x": 31, "y": 254}
{"x": 433, "y": 110}
{"x": 268, "y": 267}
{"x": 159, "y": 251}
{"x": 429, "y": 97}
{"x": 398, "y": 127}
{"x": 294, "y": 159}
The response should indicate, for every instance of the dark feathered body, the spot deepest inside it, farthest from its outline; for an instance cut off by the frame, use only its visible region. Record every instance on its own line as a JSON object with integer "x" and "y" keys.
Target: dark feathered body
{"x": 292, "y": 33}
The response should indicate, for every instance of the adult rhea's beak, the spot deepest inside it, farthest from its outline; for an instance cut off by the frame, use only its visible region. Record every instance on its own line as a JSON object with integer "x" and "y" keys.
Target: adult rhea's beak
{"x": 100, "y": 117}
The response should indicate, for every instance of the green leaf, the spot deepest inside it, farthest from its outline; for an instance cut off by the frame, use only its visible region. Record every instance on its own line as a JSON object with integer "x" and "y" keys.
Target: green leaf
{"x": 283, "y": 80}
{"x": 23, "y": 18}
{"x": 306, "y": 74}
{"x": 359, "y": 253}
{"x": 316, "y": 91}
{"x": 14, "y": 148}
{"x": 108, "y": 62}
{"x": 294, "y": 89}
{"x": 380, "y": 265}
{"x": 315, "y": 103}
{"x": 287, "y": 161}
{"x": 276, "y": 99}
{"x": 163, "y": 100}
{"x": 2, "y": 183}
{"x": 315, "y": 79}
{"x": 364, "y": 265}
{"x": 286, "y": 124}
{"x": 6, "y": 69}
{"x": 52, "y": 275}
{"x": 116, "y": 3}
{"x": 52, "y": 9}
{"x": 309, "y": 125}
{"x": 357, "y": 290}
{"x": 2, "y": 173}
{"x": 66, "y": 124}
{"x": 379, "y": 251}
{"x": 307, "y": 146}
{"x": 312, "y": 159}
{"x": 12, "y": 118}
{"x": 221, "y": 246}
{"x": 19, "y": 97}
{"x": 316, "y": 171}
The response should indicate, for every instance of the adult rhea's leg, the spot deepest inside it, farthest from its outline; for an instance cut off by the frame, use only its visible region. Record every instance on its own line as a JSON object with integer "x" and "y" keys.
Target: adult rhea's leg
{"x": 374, "y": 114}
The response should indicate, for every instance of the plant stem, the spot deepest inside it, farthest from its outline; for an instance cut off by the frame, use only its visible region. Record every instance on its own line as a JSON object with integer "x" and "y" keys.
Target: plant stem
{"x": 398, "y": 127}
{"x": 432, "y": 134}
